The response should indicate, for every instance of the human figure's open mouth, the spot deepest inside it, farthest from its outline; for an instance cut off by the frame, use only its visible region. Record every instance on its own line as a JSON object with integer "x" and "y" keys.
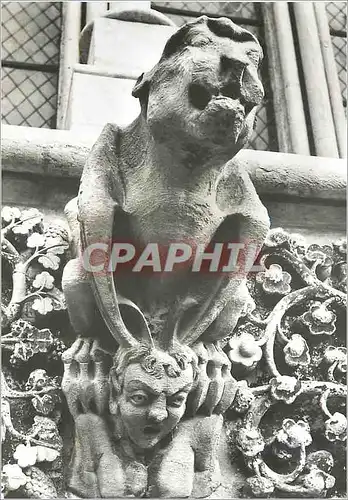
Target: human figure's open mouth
{"x": 152, "y": 429}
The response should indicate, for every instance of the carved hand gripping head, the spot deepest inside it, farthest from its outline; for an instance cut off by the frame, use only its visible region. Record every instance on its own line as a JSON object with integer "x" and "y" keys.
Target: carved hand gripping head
{"x": 208, "y": 79}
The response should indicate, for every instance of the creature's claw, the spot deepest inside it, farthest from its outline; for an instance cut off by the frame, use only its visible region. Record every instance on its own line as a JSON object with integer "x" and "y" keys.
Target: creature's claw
{"x": 228, "y": 394}
{"x": 215, "y": 386}
{"x": 85, "y": 381}
{"x": 200, "y": 392}
{"x": 69, "y": 355}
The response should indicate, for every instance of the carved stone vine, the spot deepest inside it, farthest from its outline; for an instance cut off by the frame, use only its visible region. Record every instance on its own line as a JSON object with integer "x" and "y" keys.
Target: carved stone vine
{"x": 293, "y": 430}
{"x": 33, "y": 313}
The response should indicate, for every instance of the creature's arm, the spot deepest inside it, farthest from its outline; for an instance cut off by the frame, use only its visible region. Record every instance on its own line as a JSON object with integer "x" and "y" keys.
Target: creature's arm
{"x": 237, "y": 195}
{"x": 218, "y": 310}
{"x": 100, "y": 196}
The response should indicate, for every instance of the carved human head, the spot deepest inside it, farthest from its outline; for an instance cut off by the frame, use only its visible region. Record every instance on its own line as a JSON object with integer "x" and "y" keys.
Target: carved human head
{"x": 204, "y": 91}
{"x": 149, "y": 389}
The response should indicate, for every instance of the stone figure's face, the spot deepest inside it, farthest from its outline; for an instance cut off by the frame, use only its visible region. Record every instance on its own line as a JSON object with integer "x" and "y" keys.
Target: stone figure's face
{"x": 206, "y": 94}
{"x": 151, "y": 407}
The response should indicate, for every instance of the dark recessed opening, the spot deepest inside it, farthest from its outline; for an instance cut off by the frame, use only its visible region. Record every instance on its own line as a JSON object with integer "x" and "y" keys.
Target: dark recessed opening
{"x": 199, "y": 96}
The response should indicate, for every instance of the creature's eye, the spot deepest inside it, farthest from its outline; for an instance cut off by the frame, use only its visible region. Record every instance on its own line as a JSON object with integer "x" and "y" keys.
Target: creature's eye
{"x": 139, "y": 398}
{"x": 177, "y": 401}
{"x": 199, "y": 95}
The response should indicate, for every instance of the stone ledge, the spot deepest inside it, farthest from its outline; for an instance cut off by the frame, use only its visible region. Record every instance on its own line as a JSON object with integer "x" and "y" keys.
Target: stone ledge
{"x": 60, "y": 153}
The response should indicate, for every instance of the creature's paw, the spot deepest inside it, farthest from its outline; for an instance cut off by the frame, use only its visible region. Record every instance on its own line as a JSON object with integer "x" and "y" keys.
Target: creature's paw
{"x": 86, "y": 377}
{"x": 215, "y": 387}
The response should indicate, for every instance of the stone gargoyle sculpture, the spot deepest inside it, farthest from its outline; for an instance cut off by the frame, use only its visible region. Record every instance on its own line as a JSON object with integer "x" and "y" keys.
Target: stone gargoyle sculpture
{"x": 147, "y": 380}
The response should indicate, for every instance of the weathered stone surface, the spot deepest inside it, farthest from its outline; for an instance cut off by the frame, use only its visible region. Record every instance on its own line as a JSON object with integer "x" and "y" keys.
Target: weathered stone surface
{"x": 138, "y": 431}
{"x": 166, "y": 177}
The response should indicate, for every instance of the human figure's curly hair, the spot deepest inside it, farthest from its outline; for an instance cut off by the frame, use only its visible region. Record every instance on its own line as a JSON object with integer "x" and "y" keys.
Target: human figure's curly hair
{"x": 178, "y": 359}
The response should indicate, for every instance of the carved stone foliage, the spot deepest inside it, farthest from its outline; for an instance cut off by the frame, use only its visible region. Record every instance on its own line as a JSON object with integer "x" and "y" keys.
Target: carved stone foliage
{"x": 289, "y": 355}
{"x": 286, "y": 426}
{"x": 33, "y": 316}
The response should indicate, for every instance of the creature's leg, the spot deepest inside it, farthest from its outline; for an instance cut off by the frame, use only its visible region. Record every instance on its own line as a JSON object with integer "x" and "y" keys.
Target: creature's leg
{"x": 205, "y": 443}
{"x": 226, "y": 322}
{"x": 70, "y": 211}
{"x": 95, "y": 470}
{"x": 83, "y": 312}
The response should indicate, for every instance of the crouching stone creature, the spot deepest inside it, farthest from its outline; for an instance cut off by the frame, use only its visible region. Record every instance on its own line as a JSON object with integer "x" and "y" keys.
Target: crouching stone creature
{"x": 147, "y": 379}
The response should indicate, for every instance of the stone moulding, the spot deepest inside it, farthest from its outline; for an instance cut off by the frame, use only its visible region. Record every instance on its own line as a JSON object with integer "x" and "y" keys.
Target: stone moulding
{"x": 59, "y": 153}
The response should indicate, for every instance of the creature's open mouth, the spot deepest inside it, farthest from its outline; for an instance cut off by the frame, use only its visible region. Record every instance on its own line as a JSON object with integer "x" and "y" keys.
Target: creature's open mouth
{"x": 152, "y": 429}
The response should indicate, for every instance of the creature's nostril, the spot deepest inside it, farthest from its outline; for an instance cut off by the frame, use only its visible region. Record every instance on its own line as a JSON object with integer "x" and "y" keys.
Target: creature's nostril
{"x": 199, "y": 96}
{"x": 231, "y": 90}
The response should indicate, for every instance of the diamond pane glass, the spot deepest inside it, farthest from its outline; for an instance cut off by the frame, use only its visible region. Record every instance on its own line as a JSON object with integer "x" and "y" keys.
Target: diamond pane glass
{"x": 29, "y": 98}
{"x": 30, "y": 36}
{"x": 247, "y": 10}
{"x": 31, "y": 32}
{"x": 340, "y": 50}
{"x": 337, "y": 15}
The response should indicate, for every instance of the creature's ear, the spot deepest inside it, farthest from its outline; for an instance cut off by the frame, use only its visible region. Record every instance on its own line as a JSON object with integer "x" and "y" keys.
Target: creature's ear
{"x": 135, "y": 321}
{"x": 141, "y": 89}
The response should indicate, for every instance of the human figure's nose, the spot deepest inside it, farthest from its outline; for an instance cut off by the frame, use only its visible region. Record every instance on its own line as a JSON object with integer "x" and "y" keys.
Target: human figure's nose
{"x": 158, "y": 410}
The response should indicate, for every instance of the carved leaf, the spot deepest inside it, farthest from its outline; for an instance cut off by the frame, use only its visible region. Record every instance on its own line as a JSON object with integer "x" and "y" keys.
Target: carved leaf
{"x": 10, "y": 213}
{"x": 22, "y": 351}
{"x": 14, "y": 477}
{"x": 43, "y": 280}
{"x": 29, "y": 219}
{"x": 43, "y": 305}
{"x": 44, "y": 405}
{"x": 47, "y": 430}
{"x": 45, "y": 454}
{"x": 25, "y": 455}
{"x": 41, "y": 340}
{"x": 56, "y": 250}
{"x": 50, "y": 261}
{"x": 35, "y": 240}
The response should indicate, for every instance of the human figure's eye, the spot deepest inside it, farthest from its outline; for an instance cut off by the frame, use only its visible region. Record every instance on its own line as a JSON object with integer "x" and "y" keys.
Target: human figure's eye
{"x": 177, "y": 401}
{"x": 201, "y": 41}
{"x": 139, "y": 398}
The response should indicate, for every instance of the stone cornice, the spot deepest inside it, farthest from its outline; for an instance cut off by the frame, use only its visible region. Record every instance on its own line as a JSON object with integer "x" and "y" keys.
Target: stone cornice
{"x": 61, "y": 153}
